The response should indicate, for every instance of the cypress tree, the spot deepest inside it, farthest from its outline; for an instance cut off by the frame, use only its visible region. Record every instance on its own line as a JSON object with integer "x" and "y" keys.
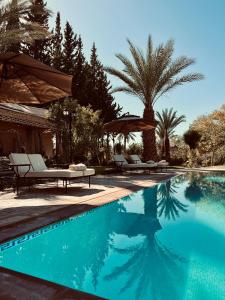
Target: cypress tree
{"x": 98, "y": 91}
{"x": 57, "y": 58}
{"x": 69, "y": 48}
{"x": 80, "y": 75}
{"x": 39, "y": 14}
{"x": 95, "y": 66}
{"x": 110, "y": 109}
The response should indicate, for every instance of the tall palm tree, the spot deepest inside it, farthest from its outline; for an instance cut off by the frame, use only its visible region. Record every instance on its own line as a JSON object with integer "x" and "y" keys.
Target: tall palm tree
{"x": 149, "y": 77}
{"x": 167, "y": 122}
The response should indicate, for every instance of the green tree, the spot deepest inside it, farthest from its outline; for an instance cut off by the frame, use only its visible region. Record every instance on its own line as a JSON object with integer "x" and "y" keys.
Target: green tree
{"x": 98, "y": 92}
{"x": 86, "y": 129}
{"x": 14, "y": 29}
{"x": 192, "y": 138}
{"x": 149, "y": 77}
{"x": 13, "y": 24}
{"x": 39, "y": 14}
{"x": 212, "y": 143}
{"x": 57, "y": 44}
{"x": 69, "y": 48}
{"x": 99, "y": 89}
{"x": 168, "y": 120}
{"x": 110, "y": 110}
{"x": 178, "y": 150}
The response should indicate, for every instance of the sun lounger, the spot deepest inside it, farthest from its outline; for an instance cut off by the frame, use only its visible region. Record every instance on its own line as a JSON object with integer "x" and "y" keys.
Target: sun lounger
{"x": 122, "y": 164}
{"x": 136, "y": 159}
{"x": 161, "y": 164}
{"x": 32, "y": 166}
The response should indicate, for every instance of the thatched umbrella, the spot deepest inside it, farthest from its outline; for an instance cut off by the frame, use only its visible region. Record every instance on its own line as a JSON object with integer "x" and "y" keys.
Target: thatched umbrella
{"x": 128, "y": 123}
{"x": 27, "y": 81}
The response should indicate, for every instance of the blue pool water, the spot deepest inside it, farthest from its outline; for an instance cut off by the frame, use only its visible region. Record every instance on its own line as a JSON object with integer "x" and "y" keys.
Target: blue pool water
{"x": 165, "y": 242}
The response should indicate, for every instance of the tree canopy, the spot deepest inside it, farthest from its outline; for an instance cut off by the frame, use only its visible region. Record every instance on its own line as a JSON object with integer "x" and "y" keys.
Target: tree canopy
{"x": 212, "y": 130}
{"x": 15, "y": 28}
{"x": 86, "y": 129}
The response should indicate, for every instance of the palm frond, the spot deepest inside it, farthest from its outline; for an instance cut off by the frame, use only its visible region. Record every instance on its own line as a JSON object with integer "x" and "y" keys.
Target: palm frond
{"x": 130, "y": 69}
{"x": 123, "y": 77}
{"x": 136, "y": 56}
{"x": 124, "y": 89}
{"x": 149, "y": 50}
{"x": 171, "y": 84}
{"x": 152, "y": 74}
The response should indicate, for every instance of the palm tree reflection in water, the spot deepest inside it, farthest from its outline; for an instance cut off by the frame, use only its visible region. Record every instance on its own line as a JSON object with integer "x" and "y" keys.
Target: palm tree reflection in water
{"x": 168, "y": 203}
{"x": 93, "y": 245}
{"x": 152, "y": 268}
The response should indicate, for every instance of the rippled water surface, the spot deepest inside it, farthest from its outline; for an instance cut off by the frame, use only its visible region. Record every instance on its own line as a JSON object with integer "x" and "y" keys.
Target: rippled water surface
{"x": 164, "y": 242}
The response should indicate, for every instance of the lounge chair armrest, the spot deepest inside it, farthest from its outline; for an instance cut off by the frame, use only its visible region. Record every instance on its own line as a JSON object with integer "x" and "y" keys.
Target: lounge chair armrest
{"x": 15, "y": 168}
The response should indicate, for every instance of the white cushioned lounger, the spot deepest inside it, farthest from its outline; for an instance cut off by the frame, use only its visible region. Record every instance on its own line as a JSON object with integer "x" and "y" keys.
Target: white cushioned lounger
{"x": 38, "y": 168}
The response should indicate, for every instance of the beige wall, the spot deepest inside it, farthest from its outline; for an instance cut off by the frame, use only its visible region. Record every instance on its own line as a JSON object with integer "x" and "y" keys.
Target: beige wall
{"x": 34, "y": 140}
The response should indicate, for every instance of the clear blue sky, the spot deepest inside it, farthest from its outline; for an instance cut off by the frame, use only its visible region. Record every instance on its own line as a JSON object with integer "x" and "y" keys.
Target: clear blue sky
{"x": 198, "y": 28}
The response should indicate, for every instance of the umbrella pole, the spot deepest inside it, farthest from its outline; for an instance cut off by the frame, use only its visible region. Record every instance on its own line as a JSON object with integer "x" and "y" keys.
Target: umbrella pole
{"x": 70, "y": 133}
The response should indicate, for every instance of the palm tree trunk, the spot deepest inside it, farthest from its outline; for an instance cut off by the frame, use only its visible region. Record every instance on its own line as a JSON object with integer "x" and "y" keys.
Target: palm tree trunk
{"x": 107, "y": 147}
{"x": 167, "y": 148}
{"x": 125, "y": 143}
{"x": 150, "y": 202}
{"x": 113, "y": 140}
{"x": 162, "y": 148}
{"x": 149, "y": 139}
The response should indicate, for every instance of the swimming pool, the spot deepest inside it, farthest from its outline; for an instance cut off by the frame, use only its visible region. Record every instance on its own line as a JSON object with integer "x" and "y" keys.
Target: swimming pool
{"x": 164, "y": 242}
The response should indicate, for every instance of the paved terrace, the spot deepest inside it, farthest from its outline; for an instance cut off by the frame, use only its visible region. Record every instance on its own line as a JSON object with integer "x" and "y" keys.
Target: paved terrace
{"x": 44, "y": 204}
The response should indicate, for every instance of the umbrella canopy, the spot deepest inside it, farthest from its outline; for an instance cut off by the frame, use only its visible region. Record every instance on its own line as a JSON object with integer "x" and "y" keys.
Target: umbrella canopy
{"x": 128, "y": 123}
{"x": 27, "y": 81}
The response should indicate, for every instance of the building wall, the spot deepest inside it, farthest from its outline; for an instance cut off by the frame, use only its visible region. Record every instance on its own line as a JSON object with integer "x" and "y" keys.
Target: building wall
{"x": 14, "y": 137}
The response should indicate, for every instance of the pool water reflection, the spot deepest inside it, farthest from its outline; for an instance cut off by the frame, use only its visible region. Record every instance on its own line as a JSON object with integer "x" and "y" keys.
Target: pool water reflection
{"x": 164, "y": 242}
